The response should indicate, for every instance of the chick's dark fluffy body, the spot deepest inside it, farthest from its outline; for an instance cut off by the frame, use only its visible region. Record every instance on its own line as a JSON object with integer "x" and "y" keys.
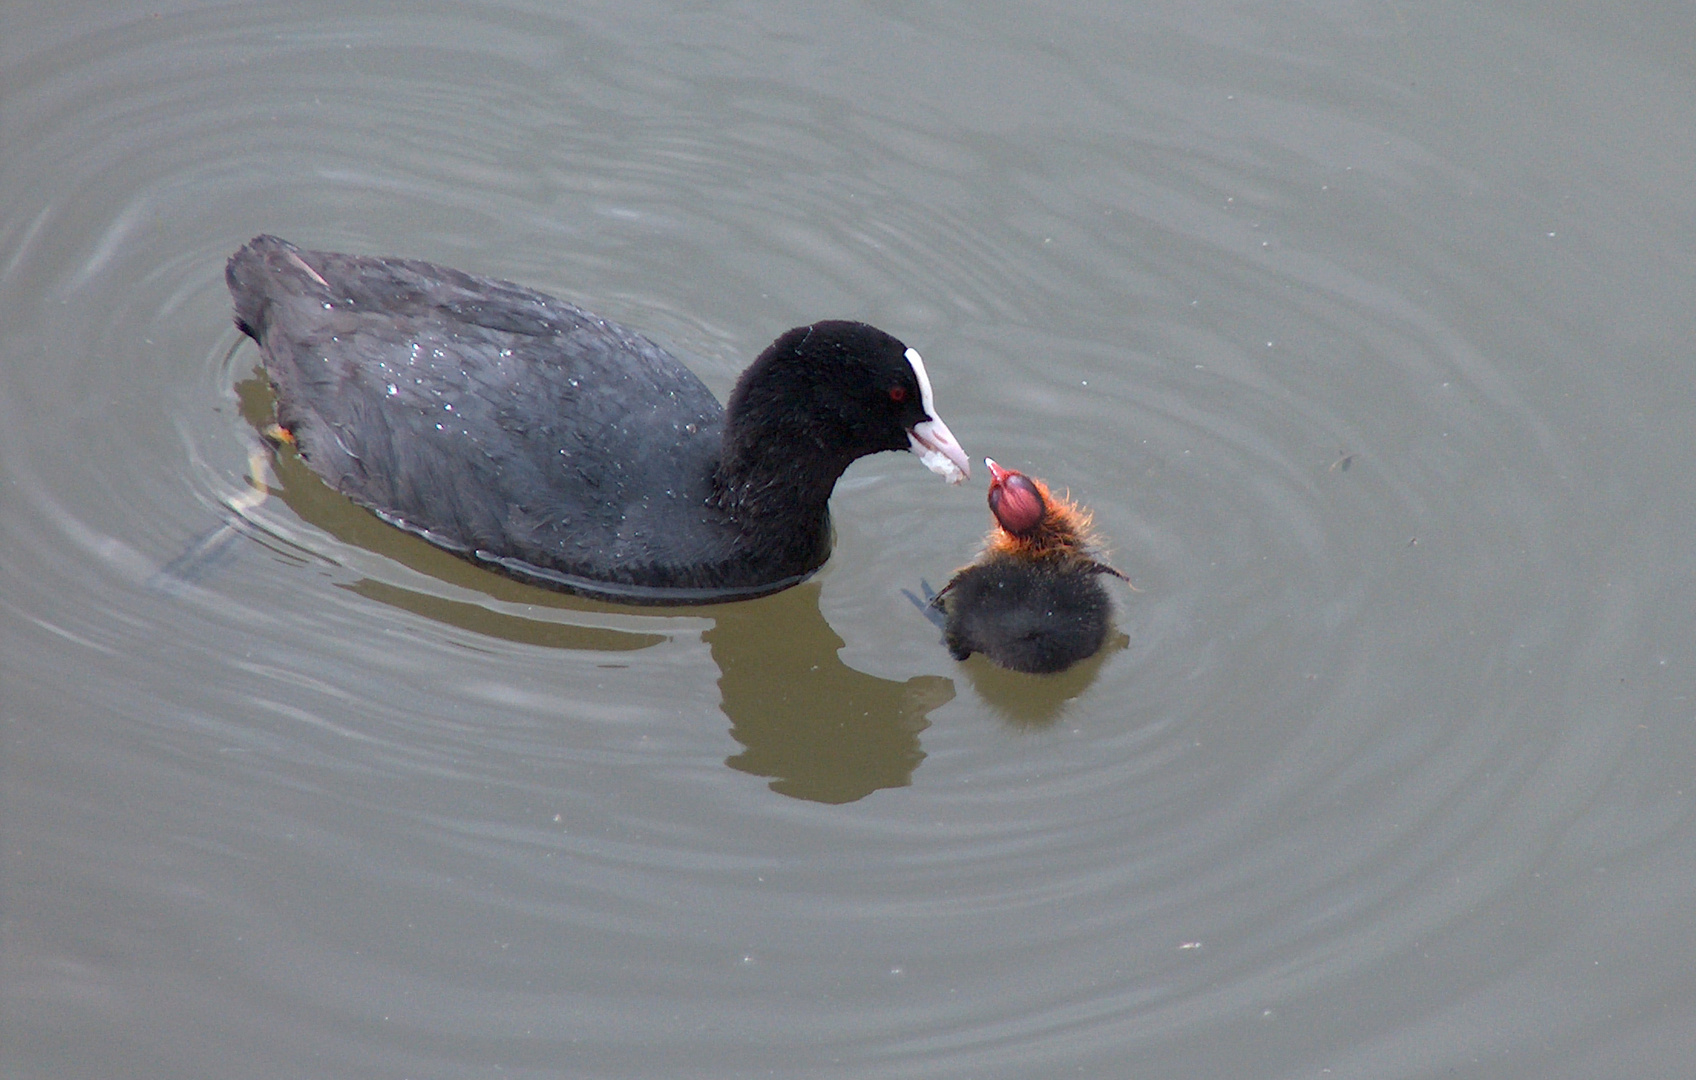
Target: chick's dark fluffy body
{"x": 1035, "y": 617}
{"x": 1033, "y": 601}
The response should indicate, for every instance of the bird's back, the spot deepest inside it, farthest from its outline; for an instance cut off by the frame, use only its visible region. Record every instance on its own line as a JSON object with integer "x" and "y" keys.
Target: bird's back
{"x": 491, "y": 418}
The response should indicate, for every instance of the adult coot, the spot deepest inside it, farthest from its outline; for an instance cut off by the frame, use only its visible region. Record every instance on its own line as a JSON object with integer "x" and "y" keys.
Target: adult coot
{"x": 1033, "y": 601}
{"x": 522, "y": 432}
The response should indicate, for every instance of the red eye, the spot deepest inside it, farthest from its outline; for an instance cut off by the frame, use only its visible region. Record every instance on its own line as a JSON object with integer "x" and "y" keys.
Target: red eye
{"x": 897, "y": 393}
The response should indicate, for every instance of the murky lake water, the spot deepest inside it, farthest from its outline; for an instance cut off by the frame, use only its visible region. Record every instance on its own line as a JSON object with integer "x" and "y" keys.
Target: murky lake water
{"x": 1364, "y": 330}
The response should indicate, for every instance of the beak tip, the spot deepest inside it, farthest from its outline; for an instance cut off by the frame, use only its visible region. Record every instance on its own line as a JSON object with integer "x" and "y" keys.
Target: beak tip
{"x": 939, "y": 451}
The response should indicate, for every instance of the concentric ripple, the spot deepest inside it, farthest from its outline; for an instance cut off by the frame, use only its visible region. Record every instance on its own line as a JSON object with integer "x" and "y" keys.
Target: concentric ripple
{"x": 324, "y": 800}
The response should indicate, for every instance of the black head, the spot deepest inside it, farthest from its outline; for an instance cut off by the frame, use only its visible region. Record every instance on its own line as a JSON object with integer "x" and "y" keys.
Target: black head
{"x": 825, "y": 394}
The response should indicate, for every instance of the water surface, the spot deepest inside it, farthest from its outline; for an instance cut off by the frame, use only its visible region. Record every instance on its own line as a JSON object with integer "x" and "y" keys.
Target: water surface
{"x": 1364, "y": 331}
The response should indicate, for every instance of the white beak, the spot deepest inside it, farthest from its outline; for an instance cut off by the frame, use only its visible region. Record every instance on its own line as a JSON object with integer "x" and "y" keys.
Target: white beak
{"x": 931, "y": 439}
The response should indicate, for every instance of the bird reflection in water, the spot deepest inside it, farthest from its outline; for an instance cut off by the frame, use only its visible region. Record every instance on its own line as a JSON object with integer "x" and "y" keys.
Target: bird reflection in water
{"x": 820, "y": 729}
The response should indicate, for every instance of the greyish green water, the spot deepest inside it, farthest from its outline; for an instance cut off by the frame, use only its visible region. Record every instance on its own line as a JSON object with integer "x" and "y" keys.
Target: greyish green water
{"x": 1365, "y": 330}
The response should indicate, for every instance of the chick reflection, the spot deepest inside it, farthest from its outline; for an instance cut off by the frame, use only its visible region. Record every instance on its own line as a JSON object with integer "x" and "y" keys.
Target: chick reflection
{"x": 1024, "y": 702}
{"x": 818, "y": 728}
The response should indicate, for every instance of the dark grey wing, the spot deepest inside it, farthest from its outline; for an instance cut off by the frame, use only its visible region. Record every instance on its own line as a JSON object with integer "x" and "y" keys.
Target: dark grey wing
{"x": 481, "y": 414}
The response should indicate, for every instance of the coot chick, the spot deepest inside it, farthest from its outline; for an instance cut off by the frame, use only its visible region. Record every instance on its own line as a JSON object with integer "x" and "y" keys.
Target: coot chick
{"x": 524, "y": 433}
{"x": 1033, "y": 601}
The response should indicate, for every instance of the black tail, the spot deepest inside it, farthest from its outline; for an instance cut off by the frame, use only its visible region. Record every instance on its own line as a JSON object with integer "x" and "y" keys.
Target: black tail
{"x": 253, "y": 275}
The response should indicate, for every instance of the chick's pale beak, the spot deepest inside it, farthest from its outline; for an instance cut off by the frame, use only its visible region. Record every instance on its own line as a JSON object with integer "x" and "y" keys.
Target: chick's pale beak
{"x": 937, "y": 448}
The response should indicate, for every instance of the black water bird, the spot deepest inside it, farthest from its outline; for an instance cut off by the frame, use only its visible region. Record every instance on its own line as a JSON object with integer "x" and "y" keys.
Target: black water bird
{"x": 524, "y": 433}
